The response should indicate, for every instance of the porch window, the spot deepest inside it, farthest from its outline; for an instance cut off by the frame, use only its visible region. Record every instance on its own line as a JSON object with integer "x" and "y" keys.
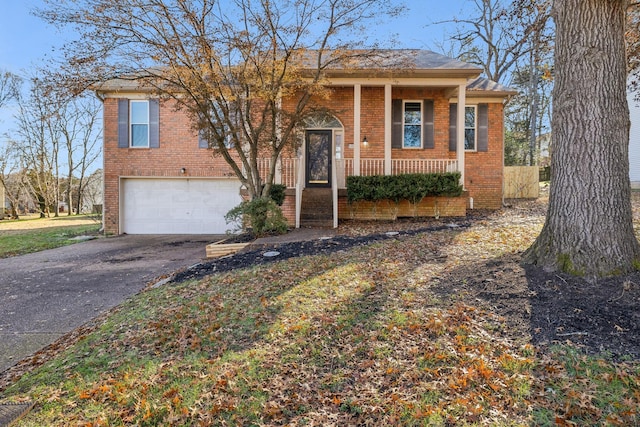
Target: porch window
{"x": 412, "y": 130}
{"x": 476, "y": 127}
{"x": 412, "y": 124}
{"x": 470, "y": 128}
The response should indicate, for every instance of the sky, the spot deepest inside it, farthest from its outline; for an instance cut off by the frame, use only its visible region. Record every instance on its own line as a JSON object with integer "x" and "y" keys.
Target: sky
{"x": 26, "y": 41}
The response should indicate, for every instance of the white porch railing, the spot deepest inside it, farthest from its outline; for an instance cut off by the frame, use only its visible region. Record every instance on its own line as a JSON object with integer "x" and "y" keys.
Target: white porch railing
{"x": 402, "y": 166}
{"x": 344, "y": 167}
{"x": 370, "y": 167}
{"x": 286, "y": 172}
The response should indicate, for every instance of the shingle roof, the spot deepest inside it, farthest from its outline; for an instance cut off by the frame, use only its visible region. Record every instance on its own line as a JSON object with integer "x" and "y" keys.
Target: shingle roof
{"x": 428, "y": 60}
{"x": 396, "y": 62}
{"x": 392, "y": 62}
{"x": 484, "y": 85}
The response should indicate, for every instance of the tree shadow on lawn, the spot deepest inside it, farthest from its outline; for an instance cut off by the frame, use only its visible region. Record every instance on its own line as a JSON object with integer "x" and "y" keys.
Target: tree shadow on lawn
{"x": 280, "y": 343}
{"x": 552, "y": 308}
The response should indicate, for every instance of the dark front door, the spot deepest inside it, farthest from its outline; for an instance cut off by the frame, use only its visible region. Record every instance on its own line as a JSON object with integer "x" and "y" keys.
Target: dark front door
{"x": 318, "y": 158}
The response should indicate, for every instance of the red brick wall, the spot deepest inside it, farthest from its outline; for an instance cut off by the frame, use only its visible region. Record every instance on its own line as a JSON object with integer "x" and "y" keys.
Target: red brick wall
{"x": 484, "y": 170}
{"x": 178, "y": 149}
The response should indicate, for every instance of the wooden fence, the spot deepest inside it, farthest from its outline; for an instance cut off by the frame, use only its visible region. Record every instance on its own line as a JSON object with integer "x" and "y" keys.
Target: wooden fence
{"x": 521, "y": 182}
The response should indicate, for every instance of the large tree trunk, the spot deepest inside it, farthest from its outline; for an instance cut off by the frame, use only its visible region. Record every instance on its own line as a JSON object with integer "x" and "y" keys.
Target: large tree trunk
{"x": 588, "y": 229}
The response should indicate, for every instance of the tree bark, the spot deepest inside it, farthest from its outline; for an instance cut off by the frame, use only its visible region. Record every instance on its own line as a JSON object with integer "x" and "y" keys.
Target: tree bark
{"x": 589, "y": 225}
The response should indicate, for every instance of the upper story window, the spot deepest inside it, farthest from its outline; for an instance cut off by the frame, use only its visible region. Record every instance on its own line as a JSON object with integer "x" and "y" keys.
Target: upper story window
{"x": 139, "y": 122}
{"x": 470, "y": 128}
{"x": 412, "y": 125}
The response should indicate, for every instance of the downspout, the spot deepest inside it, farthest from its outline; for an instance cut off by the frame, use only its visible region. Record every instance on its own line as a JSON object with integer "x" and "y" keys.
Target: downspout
{"x": 388, "y": 161}
{"x": 101, "y": 97}
{"x": 299, "y": 180}
{"x": 460, "y": 153}
{"x": 334, "y": 185}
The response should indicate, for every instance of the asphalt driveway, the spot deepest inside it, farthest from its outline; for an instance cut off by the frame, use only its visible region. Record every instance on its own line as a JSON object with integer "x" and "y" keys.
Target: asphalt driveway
{"x": 46, "y": 294}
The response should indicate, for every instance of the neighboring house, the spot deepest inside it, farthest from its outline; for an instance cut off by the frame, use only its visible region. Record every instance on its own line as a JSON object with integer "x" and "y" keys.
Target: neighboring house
{"x": 544, "y": 143}
{"x": 92, "y": 197}
{"x": 433, "y": 114}
{"x": 634, "y": 140}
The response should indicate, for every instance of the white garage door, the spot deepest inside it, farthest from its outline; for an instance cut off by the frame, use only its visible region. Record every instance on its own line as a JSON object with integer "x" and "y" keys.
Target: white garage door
{"x": 177, "y": 206}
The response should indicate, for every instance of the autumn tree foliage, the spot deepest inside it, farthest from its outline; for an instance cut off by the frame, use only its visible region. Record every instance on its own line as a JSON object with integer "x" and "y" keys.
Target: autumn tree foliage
{"x": 227, "y": 63}
{"x": 589, "y": 229}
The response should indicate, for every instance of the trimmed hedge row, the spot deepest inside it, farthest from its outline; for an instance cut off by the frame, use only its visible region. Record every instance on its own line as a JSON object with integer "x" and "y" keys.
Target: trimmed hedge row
{"x": 412, "y": 187}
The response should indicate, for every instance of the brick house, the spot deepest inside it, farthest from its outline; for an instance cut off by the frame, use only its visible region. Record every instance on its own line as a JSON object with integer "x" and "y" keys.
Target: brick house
{"x": 432, "y": 114}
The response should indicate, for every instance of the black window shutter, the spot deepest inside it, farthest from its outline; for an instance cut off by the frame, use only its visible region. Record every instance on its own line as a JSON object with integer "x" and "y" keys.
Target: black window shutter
{"x": 154, "y": 123}
{"x": 123, "y": 123}
{"x": 483, "y": 127}
{"x": 396, "y": 126}
{"x": 453, "y": 127}
{"x": 428, "y": 126}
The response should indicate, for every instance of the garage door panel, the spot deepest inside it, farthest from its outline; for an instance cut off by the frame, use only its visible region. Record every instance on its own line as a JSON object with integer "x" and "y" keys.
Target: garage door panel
{"x": 178, "y": 206}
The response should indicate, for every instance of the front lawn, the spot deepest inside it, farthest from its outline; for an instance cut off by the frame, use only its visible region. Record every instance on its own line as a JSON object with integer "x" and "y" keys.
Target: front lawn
{"x": 19, "y": 237}
{"x": 431, "y": 329}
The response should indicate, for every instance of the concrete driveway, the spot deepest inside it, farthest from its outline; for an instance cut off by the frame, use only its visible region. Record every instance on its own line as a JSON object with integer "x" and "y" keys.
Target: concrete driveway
{"x": 47, "y": 294}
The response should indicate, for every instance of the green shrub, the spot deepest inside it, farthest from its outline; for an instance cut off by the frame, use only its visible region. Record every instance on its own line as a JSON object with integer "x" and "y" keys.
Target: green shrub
{"x": 413, "y": 187}
{"x": 262, "y": 214}
{"x": 277, "y": 193}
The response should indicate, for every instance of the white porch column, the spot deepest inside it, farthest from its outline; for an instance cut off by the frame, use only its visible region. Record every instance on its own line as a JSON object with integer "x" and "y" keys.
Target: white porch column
{"x": 462, "y": 95}
{"x": 357, "y": 93}
{"x": 387, "y": 129}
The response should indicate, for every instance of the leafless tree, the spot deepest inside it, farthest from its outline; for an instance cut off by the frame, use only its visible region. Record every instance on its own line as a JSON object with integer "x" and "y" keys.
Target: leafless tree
{"x": 77, "y": 123}
{"x": 11, "y": 177}
{"x": 9, "y": 87}
{"x": 499, "y": 34}
{"x": 510, "y": 39}
{"x": 38, "y": 140}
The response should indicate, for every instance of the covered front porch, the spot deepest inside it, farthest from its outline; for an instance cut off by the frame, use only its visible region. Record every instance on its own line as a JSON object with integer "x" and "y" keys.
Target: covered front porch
{"x": 292, "y": 173}
{"x": 385, "y": 123}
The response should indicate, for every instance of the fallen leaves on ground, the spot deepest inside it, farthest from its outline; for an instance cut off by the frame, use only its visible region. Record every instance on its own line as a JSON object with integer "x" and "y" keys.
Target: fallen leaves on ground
{"x": 430, "y": 328}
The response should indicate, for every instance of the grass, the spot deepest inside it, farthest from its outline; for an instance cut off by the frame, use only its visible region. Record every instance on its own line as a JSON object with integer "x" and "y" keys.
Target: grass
{"x": 33, "y": 235}
{"x": 351, "y": 339}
